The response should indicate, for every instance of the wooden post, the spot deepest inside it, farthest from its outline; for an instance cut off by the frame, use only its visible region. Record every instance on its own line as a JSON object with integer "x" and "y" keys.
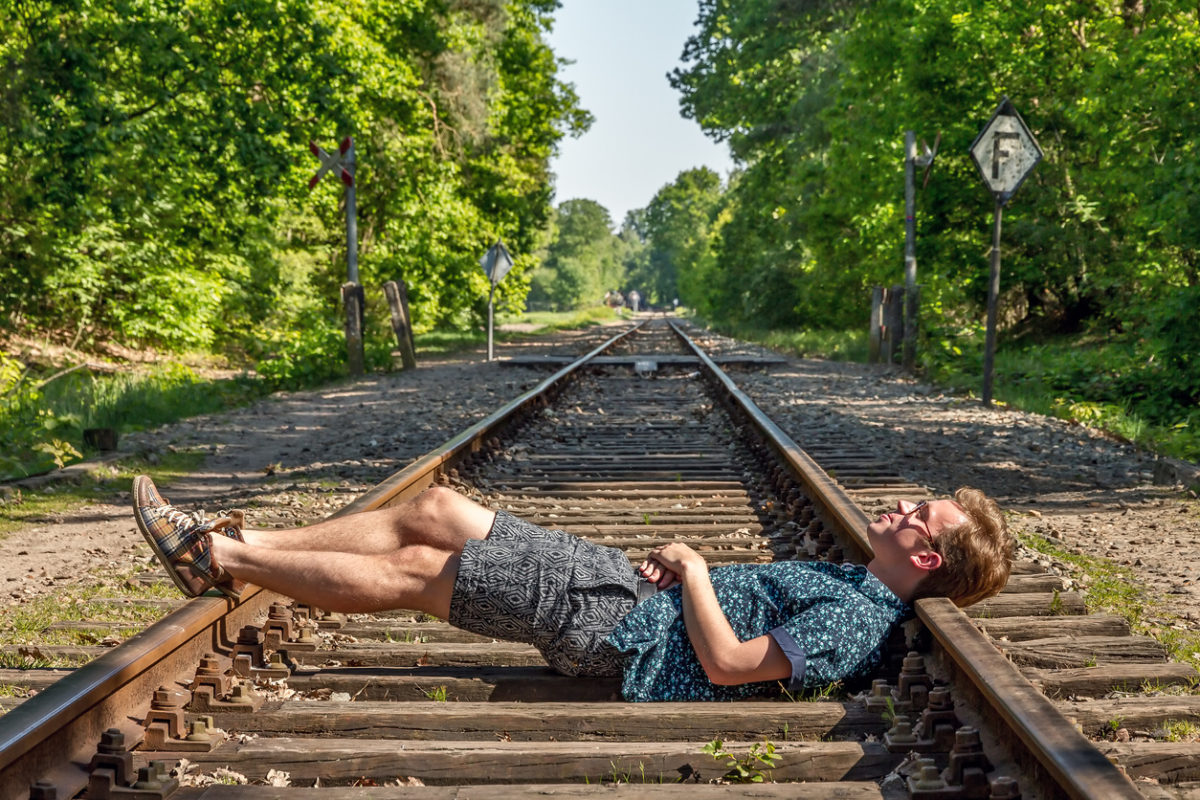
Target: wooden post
{"x": 875, "y": 329}
{"x": 352, "y": 299}
{"x": 893, "y": 320}
{"x": 397, "y": 297}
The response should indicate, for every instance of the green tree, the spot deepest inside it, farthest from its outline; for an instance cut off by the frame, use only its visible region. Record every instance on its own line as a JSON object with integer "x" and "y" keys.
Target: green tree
{"x": 814, "y": 100}
{"x": 676, "y": 229}
{"x": 583, "y": 259}
{"x": 156, "y": 155}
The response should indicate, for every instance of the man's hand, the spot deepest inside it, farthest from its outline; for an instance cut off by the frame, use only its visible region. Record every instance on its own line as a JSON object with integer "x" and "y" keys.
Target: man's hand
{"x": 671, "y": 564}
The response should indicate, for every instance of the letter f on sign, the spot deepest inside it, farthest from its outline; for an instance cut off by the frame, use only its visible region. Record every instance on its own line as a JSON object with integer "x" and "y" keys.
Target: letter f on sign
{"x": 998, "y": 153}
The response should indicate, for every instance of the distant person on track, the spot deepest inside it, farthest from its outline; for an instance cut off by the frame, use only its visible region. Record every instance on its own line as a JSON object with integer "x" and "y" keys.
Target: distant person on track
{"x": 669, "y": 628}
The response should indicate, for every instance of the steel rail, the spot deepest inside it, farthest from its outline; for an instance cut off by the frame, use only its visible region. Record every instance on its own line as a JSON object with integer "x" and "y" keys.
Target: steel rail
{"x": 840, "y": 510}
{"x": 1075, "y": 764}
{"x": 418, "y": 475}
{"x": 52, "y": 735}
{"x": 1079, "y": 769}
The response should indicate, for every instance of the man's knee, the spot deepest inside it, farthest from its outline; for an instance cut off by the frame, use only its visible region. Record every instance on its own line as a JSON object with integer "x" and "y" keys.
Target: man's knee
{"x": 439, "y": 515}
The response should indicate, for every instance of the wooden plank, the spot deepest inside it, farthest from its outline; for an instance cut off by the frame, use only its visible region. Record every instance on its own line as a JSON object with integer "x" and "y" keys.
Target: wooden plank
{"x": 599, "y": 489}
{"x": 1032, "y": 604}
{"x": 561, "y": 721}
{"x": 32, "y": 678}
{"x": 1099, "y": 681}
{"x": 845, "y": 790}
{"x": 1138, "y": 714}
{"x": 410, "y": 631}
{"x": 509, "y": 762}
{"x": 1019, "y": 629}
{"x": 1064, "y": 652}
{"x": 1165, "y": 762}
{"x": 1044, "y": 582}
{"x": 529, "y": 684}
{"x": 448, "y": 654}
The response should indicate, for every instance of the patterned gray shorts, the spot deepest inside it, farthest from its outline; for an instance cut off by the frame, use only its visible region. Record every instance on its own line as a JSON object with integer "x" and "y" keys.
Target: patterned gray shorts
{"x": 560, "y": 593}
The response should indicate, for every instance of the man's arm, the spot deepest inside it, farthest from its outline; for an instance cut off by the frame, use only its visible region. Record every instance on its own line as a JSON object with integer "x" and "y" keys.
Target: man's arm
{"x": 726, "y": 660}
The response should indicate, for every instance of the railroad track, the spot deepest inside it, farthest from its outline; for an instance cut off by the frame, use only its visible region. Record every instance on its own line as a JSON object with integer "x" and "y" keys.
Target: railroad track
{"x": 641, "y": 441}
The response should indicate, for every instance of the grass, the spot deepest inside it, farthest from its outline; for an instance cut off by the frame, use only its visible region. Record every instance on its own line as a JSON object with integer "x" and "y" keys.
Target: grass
{"x": 833, "y": 345}
{"x": 1100, "y": 382}
{"x": 30, "y": 623}
{"x": 42, "y": 424}
{"x": 100, "y": 484}
{"x": 442, "y": 342}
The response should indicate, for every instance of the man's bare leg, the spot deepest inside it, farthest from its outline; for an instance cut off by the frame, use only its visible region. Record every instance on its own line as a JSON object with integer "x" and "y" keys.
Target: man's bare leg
{"x": 440, "y": 518}
{"x": 416, "y": 576}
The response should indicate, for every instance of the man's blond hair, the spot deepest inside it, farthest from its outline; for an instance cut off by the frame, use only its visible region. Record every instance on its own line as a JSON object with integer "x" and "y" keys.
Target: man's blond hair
{"x": 976, "y": 555}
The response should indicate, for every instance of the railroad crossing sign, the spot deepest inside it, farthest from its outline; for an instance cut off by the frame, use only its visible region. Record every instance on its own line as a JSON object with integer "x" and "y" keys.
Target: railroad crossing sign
{"x": 343, "y": 161}
{"x": 496, "y": 262}
{"x": 1005, "y": 152}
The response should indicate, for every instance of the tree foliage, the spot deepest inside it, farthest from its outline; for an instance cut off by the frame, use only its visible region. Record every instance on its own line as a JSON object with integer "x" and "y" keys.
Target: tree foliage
{"x": 814, "y": 98}
{"x": 155, "y": 154}
{"x": 583, "y": 261}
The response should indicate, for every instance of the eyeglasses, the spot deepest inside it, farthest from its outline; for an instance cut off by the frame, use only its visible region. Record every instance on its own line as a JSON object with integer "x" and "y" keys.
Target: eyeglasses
{"x": 914, "y": 511}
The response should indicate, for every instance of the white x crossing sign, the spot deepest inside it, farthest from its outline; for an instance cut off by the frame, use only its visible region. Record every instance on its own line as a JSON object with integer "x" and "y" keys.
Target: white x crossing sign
{"x": 343, "y": 160}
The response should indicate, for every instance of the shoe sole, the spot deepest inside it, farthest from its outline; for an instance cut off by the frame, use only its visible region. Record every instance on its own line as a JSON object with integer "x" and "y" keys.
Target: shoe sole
{"x": 162, "y": 558}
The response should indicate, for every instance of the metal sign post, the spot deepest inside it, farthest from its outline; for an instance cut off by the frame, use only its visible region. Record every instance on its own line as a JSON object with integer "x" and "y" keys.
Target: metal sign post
{"x": 496, "y": 263}
{"x": 1005, "y": 153}
{"x": 352, "y": 293}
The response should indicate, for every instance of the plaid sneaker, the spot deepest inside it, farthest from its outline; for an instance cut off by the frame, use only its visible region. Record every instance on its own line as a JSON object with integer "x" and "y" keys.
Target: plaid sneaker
{"x": 183, "y": 541}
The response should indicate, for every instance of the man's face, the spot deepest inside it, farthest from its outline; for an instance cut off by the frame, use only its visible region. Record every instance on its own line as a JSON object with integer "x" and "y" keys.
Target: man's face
{"x": 911, "y": 529}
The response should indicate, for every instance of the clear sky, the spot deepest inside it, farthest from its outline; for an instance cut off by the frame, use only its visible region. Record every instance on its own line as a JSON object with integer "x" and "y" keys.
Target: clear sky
{"x": 623, "y": 50}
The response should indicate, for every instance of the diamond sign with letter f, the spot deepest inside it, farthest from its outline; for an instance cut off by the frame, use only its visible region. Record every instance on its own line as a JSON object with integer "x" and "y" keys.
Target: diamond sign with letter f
{"x": 1005, "y": 152}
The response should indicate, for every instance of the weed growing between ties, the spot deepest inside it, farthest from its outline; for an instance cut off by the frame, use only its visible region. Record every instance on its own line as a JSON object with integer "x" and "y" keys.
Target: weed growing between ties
{"x": 105, "y": 483}
{"x": 754, "y": 767}
{"x": 437, "y": 694}
{"x": 1181, "y": 730}
{"x": 812, "y": 694}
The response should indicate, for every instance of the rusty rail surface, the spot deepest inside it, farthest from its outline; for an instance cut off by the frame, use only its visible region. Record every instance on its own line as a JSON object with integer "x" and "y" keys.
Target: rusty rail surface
{"x": 52, "y": 736}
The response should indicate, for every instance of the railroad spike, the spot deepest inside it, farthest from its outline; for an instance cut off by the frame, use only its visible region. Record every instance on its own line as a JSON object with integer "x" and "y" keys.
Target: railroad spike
{"x": 214, "y": 690}
{"x": 1005, "y": 788}
{"x": 43, "y": 790}
{"x": 912, "y": 688}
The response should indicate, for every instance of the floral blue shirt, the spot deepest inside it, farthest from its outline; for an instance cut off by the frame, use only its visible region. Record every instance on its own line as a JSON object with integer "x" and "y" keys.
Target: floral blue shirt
{"x": 831, "y": 621}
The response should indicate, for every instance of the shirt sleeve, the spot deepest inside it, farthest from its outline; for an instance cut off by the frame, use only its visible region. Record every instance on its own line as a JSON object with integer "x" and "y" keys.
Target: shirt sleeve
{"x": 830, "y": 642}
{"x": 795, "y": 655}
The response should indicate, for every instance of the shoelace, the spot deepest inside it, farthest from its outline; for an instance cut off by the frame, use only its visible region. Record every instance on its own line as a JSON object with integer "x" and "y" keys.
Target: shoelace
{"x": 188, "y": 520}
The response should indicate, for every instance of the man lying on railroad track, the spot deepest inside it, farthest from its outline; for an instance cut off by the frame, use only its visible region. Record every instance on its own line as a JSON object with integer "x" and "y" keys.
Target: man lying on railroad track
{"x": 670, "y": 629}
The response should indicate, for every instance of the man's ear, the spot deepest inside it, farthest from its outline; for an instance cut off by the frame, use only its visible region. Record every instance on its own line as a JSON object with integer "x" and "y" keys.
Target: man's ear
{"x": 926, "y": 560}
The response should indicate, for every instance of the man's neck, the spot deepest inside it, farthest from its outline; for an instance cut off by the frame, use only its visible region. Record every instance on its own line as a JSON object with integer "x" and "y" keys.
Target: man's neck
{"x": 902, "y": 582}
